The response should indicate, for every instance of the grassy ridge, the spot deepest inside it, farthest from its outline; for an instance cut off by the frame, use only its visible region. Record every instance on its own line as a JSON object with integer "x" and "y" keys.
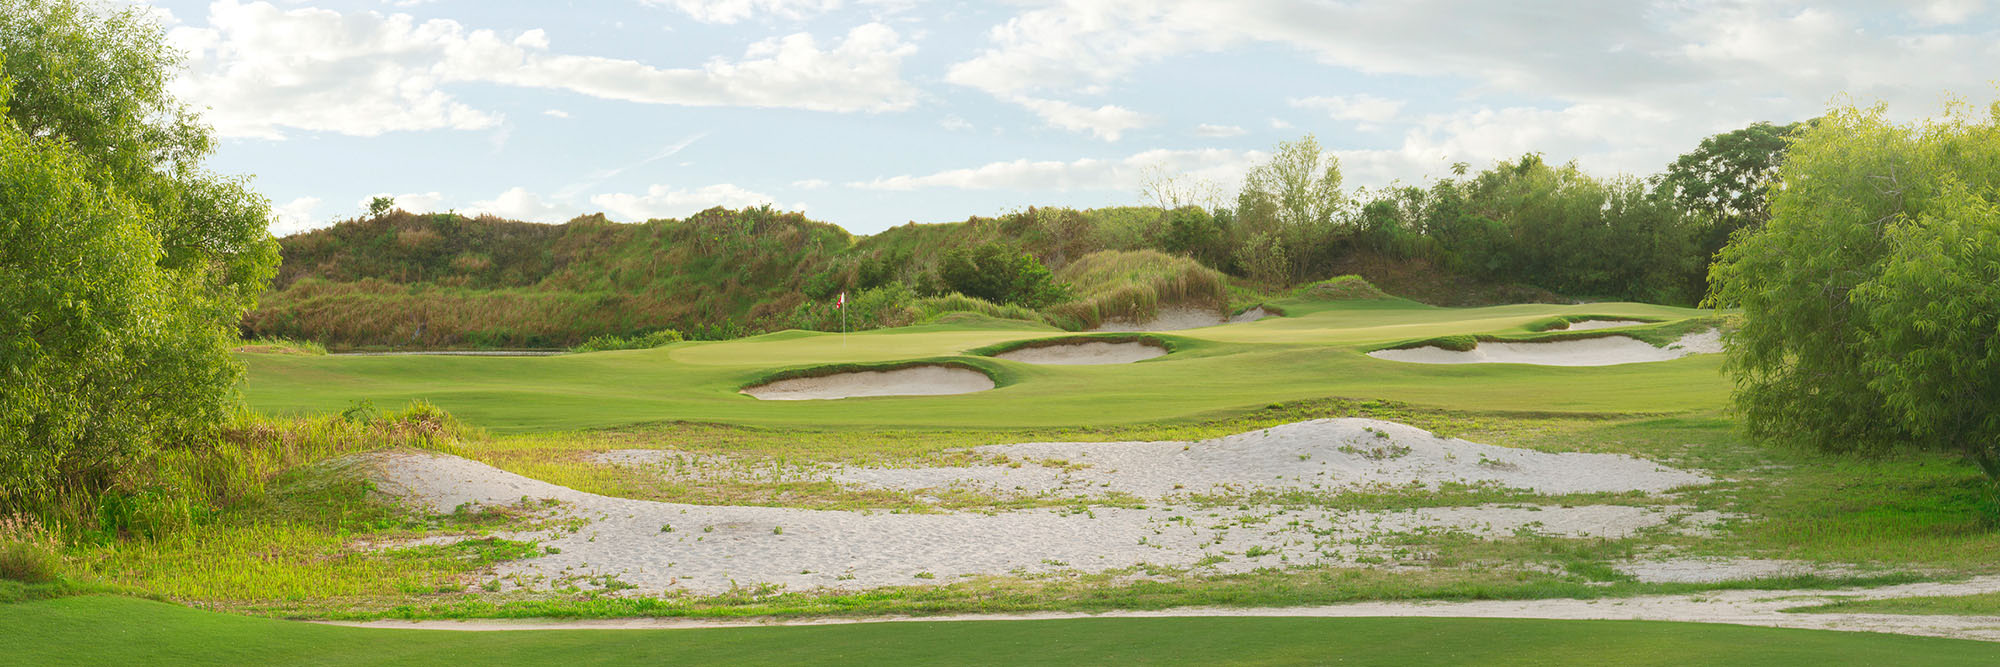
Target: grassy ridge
{"x": 73, "y": 629}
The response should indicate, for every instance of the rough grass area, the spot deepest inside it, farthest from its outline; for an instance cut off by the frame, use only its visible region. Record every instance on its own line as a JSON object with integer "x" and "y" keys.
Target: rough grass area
{"x": 1561, "y": 322}
{"x": 1133, "y": 285}
{"x": 154, "y": 633}
{"x": 1340, "y": 288}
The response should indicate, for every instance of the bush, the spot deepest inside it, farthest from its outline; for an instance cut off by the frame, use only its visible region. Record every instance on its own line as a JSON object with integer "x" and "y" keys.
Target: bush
{"x": 1132, "y": 285}
{"x": 644, "y": 341}
{"x": 1868, "y": 306}
{"x": 1000, "y": 274}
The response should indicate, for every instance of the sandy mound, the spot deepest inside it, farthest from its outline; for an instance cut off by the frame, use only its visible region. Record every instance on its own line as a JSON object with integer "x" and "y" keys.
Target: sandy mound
{"x": 913, "y": 381}
{"x": 1322, "y": 455}
{"x": 1600, "y": 351}
{"x": 1590, "y": 325}
{"x": 1169, "y": 318}
{"x": 1084, "y": 353}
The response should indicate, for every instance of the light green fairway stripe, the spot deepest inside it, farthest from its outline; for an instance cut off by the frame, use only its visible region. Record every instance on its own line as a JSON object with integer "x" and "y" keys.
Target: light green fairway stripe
{"x": 1219, "y": 370}
{"x": 107, "y": 630}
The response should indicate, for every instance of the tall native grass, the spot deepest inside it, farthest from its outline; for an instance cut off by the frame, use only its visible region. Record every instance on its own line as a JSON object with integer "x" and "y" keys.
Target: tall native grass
{"x": 179, "y": 486}
{"x": 1133, "y": 285}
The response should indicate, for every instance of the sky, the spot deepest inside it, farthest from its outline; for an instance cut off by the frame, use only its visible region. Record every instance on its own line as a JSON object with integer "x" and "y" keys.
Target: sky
{"x": 872, "y": 113}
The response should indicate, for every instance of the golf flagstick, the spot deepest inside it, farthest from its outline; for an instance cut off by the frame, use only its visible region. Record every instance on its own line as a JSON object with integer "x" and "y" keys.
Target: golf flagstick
{"x": 842, "y": 305}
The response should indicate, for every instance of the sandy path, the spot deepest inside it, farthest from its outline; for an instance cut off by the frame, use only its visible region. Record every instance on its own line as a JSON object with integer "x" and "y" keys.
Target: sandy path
{"x": 1600, "y": 351}
{"x": 1760, "y": 608}
{"x": 1084, "y": 354}
{"x": 914, "y": 381}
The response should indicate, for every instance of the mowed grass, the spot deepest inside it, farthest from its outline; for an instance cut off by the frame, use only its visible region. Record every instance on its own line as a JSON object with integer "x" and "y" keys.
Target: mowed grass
{"x": 1223, "y": 370}
{"x": 106, "y": 630}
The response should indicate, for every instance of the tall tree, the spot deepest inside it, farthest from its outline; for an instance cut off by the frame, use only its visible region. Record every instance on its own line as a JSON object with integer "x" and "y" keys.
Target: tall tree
{"x": 1726, "y": 181}
{"x": 124, "y": 264}
{"x": 1294, "y": 201}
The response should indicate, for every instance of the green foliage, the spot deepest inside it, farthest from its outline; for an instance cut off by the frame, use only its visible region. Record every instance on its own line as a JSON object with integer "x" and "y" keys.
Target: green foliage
{"x": 1340, "y": 288}
{"x": 1289, "y": 214}
{"x": 1000, "y": 274}
{"x": 125, "y": 265}
{"x": 1933, "y": 340}
{"x": 1727, "y": 179}
{"x": 645, "y": 341}
{"x": 379, "y": 206}
{"x": 1856, "y": 275}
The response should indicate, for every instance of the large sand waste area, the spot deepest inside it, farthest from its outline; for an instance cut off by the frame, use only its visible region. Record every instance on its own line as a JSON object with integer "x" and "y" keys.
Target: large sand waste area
{"x": 1192, "y": 506}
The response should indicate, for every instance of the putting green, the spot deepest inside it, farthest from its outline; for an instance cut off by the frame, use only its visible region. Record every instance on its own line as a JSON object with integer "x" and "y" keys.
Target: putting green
{"x": 1316, "y": 353}
{"x": 110, "y": 630}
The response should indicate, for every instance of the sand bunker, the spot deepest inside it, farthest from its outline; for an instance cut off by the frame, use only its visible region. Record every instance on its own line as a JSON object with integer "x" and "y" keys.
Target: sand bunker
{"x": 912, "y": 381}
{"x": 1169, "y": 318}
{"x": 1250, "y": 315}
{"x": 1600, "y": 351}
{"x": 1085, "y": 353}
{"x": 1590, "y": 325}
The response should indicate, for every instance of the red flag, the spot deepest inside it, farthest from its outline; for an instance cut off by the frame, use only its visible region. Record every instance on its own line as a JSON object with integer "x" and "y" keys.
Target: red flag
{"x": 842, "y": 303}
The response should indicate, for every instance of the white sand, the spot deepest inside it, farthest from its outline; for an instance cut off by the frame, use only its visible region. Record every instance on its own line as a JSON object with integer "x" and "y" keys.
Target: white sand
{"x": 1592, "y": 325}
{"x": 1600, "y": 351}
{"x": 1321, "y": 455}
{"x": 1169, "y": 318}
{"x": 1250, "y": 315}
{"x": 1089, "y": 353}
{"x": 711, "y": 549}
{"x": 913, "y": 381}
{"x": 1736, "y": 607}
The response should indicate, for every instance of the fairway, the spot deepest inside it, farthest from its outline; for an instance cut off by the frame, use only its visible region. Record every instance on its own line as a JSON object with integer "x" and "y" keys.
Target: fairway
{"x": 102, "y": 630}
{"x": 1216, "y": 371}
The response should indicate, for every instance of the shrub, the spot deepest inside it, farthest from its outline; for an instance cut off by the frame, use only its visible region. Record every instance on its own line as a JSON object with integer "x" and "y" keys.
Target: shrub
{"x": 1132, "y": 285}
{"x": 1000, "y": 274}
{"x": 645, "y": 341}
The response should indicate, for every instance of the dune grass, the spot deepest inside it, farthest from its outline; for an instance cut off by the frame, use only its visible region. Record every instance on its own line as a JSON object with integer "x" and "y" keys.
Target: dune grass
{"x": 1131, "y": 285}
{"x": 105, "y": 630}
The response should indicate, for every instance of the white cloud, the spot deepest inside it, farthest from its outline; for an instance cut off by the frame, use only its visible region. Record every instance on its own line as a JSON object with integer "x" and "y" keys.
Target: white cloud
{"x": 1947, "y": 12}
{"x": 1364, "y": 108}
{"x": 1280, "y": 124}
{"x": 662, "y": 201}
{"x": 296, "y": 216}
{"x": 519, "y": 204}
{"x": 556, "y": 113}
{"x": 731, "y": 11}
{"x": 811, "y": 184}
{"x": 1219, "y": 131}
{"x": 1224, "y": 167}
{"x": 262, "y": 70}
{"x": 954, "y": 123}
{"x": 1107, "y": 122}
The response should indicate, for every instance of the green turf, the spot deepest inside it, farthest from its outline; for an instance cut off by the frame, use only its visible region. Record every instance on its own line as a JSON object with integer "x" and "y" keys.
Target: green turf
{"x": 109, "y": 630}
{"x": 1984, "y": 604}
{"x": 1221, "y": 370}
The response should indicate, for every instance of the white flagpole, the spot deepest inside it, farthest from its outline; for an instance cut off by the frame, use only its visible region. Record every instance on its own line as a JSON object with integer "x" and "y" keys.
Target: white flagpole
{"x": 843, "y": 320}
